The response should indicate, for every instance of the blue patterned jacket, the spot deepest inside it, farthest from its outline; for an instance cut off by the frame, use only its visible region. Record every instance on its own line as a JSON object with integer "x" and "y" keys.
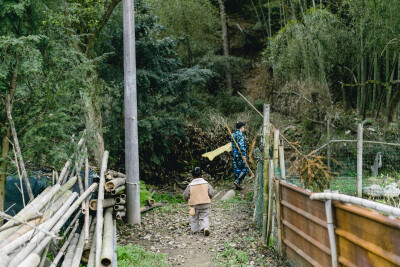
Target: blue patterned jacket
{"x": 241, "y": 141}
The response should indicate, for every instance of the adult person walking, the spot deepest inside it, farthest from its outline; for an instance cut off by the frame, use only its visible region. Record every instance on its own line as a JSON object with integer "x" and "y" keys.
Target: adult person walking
{"x": 239, "y": 156}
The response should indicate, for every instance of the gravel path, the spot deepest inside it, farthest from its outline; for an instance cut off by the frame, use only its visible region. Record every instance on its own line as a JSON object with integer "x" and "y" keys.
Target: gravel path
{"x": 234, "y": 241}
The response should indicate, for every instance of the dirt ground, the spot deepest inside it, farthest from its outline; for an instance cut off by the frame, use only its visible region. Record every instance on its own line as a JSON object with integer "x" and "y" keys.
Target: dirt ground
{"x": 234, "y": 240}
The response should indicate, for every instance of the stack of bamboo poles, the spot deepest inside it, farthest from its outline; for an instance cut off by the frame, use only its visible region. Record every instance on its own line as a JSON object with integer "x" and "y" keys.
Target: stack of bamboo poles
{"x": 115, "y": 197}
{"x": 26, "y": 238}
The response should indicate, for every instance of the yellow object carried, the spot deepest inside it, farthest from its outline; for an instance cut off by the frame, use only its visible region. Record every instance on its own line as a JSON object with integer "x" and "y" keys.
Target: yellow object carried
{"x": 212, "y": 154}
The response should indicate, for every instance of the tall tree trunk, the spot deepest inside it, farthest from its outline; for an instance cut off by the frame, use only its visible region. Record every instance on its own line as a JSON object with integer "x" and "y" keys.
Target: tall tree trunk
{"x": 6, "y": 146}
{"x": 93, "y": 118}
{"x": 225, "y": 45}
{"x": 376, "y": 78}
{"x": 393, "y": 105}
{"x": 3, "y": 168}
{"x": 94, "y": 126}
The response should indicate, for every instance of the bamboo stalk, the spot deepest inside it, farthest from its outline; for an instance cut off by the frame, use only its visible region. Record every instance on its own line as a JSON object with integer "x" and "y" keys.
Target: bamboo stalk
{"x": 118, "y": 190}
{"x": 109, "y": 202}
{"x": 46, "y": 216}
{"x": 119, "y": 207}
{"x": 278, "y": 215}
{"x": 107, "y": 246}
{"x": 157, "y": 204}
{"x": 46, "y": 226}
{"x": 116, "y": 174}
{"x": 32, "y": 260}
{"x": 5, "y": 259}
{"x": 86, "y": 224}
{"x": 122, "y": 196}
{"x": 270, "y": 193}
{"x": 39, "y": 216}
{"x": 276, "y": 149}
{"x": 331, "y": 231}
{"x": 70, "y": 251}
{"x": 151, "y": 201}
{"x": 37, "y": 248}
{"x": 79, "y": 249}
{"x": 121, "y": 214}
{"x": 282, "y": 162}
{"x": 75, "y": 219}
{"x": 67, "y": 165}
{"x": 88, "y": 245}
{"x": 31, "y": 209}
{"x": 121, "y": 201}
{"x": 357, "y": 201}
{"x": 92, "y": 254}
{"x": 266, "y": 126}
{"x": 359, "y": 159}
{"x": 44, "y": 256}
{"x": 64, "y": 247}
{"x": 99, "y": 223}
{"x": 115, "y": 258}
{"x": 113, "y": 184}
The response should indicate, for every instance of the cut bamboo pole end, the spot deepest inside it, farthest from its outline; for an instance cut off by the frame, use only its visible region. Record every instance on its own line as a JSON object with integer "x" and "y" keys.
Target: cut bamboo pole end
{"x": 113, "y": 184}
{"x": 118, "y": 190}
{"x": 107, "y": 246}
{"x": 120, "y": 214}
{"x": 120, "y": 201}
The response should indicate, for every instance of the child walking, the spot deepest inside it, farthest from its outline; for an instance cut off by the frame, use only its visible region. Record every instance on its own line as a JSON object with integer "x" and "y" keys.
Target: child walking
{"x": 199, "y": 193}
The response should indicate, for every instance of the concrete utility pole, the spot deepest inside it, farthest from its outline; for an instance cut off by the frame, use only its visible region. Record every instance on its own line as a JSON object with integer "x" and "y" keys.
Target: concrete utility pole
{"x": 131, "y": 128}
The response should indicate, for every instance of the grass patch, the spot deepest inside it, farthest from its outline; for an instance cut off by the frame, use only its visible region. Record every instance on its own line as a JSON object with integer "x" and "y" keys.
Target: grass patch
{"x": 230, "y": 204}
{"x": 231, "y": 256}
{"x": 169, "y": 197}
{"x": 137, "y": 256}
{"x": 345, "y": 186}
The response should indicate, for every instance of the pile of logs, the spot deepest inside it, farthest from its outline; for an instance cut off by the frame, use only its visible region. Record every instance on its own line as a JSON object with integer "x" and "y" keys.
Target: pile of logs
{"x": 90, "y": 237}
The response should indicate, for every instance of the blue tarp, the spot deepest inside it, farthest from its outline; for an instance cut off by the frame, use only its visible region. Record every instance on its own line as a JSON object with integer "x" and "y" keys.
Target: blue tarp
{"x": 38, "y": 182}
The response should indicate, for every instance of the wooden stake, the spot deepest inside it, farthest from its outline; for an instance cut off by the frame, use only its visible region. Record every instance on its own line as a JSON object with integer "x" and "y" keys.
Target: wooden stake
{"x": 267, "y": 130}
{"x": 278, "y": 214}
{"x": 270, "y": 195}
{"x": 276, "y": 149}
{"x": 328, "y": 136}
{"x": 282, "y": 161}
{"x": 359, "y": 158}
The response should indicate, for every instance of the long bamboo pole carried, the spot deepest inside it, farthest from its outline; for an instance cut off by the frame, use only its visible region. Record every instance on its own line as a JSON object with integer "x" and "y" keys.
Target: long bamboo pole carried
{"x": 245, "y": 161}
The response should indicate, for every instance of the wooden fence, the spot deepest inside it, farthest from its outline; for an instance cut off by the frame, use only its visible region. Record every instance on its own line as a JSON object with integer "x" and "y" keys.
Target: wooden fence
{"x": 363, "y": 237}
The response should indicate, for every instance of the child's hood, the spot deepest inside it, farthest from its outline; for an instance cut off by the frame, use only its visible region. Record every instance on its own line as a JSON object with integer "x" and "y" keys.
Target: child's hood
{"x": 198, "y": 181}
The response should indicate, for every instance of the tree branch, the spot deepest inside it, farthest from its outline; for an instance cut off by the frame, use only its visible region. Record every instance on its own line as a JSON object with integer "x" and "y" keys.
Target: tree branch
{"x": 18, "y": 149}
{"x": 102, "y": 23}
{"x": 385, "y": 84}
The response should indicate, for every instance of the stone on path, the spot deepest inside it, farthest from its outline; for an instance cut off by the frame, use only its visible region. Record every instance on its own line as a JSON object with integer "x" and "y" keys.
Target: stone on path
{"x": 229, "y": 195}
